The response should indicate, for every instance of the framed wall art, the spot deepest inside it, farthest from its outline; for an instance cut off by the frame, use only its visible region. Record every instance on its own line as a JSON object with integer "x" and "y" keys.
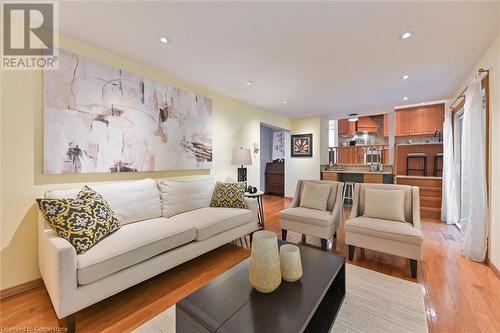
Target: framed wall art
{"x": 99, "y": 118}
{"x": 301, "y": 145}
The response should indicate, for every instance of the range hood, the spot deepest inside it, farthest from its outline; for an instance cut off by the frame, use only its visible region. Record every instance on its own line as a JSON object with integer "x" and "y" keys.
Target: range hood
{"x": 366, "y": 125}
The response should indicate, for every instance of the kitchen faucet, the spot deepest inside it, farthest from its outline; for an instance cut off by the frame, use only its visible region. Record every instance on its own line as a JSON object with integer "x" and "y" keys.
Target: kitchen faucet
{"x": 439, "y": 135}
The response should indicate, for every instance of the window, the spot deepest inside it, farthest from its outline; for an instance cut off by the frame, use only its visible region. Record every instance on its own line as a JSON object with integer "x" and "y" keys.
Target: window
{"x": 332, "y": 137}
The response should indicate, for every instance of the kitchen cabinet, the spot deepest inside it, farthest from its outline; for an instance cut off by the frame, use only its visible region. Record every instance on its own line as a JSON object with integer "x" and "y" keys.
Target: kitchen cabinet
{"x": 373, "y": 178}
{"x": 424, "y": 120}
{"x": 343, "y": 127}
{"x": 346, "y": 128}
{"x": 329, "y": 176}
{"x": 386, "y": 124}
{"x": 352, "y": 128}
{"x": 402, "y": 123}
{"x": 440, "y": 118}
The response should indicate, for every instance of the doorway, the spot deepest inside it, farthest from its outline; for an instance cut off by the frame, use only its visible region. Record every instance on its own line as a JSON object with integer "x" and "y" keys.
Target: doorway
{"x": 272, "y": 160}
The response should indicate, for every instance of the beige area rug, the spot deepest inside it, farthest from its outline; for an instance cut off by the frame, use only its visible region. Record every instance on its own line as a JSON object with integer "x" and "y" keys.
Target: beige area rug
{"x": 374, "y": 302}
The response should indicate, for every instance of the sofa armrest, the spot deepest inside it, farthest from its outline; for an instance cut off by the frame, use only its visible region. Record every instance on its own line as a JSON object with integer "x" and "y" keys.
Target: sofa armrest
{"x": 415, "y": 205}
{"x": 57, "y": 262}
{"x": 296, "y": 196}
{"x": 253, "y": 206}
{"x": 338, "y": 208}
{"x": 355, "y": 203}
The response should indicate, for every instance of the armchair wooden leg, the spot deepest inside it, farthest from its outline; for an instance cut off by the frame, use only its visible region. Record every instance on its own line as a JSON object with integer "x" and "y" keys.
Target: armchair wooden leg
{"x": 283, "y": 234}
{"x": 70, "y": 323}
{"x": 303, "y": 239}
{"x": 413, "y": 268}
{"x": 323, "y": 244}
{"x": 351, "y": 252}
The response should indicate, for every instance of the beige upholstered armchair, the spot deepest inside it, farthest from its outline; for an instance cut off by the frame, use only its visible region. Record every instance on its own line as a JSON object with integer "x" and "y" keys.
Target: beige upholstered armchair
{"x": 401, "y": 235}
{"x": 310, "y": 215}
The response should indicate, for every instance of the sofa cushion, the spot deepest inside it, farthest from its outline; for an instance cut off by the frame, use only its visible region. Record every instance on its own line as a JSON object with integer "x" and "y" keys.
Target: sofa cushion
{"x": 131, "y": 201}
{"x": 179, "y": 196}
{"x": 210, "y": 221}
{"x": 82, "y": 221}
{"x": 385, "y": 204}
{"x": 307, "y": 215}
{"x": 408, "y": 197}
{"x": 133, "y": 243}
{"x": 401, "y": 232}
{"x": 229, "y": 195}
{"x": 332, "y": 197}
{"x": 315, "y": 196}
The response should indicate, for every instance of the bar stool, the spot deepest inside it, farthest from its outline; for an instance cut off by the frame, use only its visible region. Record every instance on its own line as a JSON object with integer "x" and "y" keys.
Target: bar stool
{"x": 348, "y": 191}
{"x": 419, "y": 157}
{"x": 437, "y": 157}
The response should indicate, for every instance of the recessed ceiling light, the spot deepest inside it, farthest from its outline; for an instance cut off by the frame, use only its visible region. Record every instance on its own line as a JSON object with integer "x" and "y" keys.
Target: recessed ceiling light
{"x": 164, "y": 40}
{"x": 405, "y": 98}
{"x": 285, "y": 102}
{"x": 405, "y": 77}
{"x": 249, "y": 83}
{"x": 406, "y": 35}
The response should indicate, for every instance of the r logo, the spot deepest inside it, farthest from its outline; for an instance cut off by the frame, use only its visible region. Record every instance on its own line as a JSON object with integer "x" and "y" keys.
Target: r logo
{"x": 28, "y": 29}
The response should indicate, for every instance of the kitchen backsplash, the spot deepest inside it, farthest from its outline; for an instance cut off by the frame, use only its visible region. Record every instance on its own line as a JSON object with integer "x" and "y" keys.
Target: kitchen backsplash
{"x": 416, "y": 139}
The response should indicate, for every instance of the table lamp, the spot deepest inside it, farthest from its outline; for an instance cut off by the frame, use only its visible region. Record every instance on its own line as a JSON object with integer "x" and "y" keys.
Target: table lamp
{"x": 241, "y": 157}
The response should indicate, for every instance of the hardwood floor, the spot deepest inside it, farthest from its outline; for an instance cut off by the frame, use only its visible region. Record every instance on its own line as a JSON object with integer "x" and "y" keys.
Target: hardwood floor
{"x": 460, "y": 295}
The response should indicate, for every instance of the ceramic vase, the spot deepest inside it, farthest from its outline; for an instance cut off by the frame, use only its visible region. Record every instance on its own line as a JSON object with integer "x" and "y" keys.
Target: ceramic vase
{"x": 265, "y": 271}
{"x": 291, "y": 265}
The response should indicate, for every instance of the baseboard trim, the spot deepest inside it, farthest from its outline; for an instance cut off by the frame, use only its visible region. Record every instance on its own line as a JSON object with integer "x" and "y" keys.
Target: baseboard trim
{"x": 21, "y": 288}
{"x": 494, "y": 269}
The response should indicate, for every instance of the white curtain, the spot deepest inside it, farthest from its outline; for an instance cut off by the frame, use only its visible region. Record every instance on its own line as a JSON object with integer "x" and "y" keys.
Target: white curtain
{"x": 449, "y": 205}
{"x": 474, "y": 213}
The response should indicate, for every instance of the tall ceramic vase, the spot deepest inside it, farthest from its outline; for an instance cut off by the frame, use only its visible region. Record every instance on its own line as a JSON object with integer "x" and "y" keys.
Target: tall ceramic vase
{"x": 265, "y": 271}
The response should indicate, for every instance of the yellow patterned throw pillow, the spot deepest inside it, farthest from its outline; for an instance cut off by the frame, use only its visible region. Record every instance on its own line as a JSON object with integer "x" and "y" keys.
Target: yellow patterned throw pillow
{"x": 228, "y": 195}
{"x": 82, "y": 221}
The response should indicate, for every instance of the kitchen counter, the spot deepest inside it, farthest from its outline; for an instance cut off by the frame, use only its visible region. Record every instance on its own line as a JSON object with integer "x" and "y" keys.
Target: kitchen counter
{"x": 360, "y": 171}
{"x": 417, "y": 177}
{"x": 359, "y": 176}
{"x": 419, "y": 144}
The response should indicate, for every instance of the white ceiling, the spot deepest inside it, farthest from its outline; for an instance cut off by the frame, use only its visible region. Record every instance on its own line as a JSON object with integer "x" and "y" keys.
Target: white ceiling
{"x": 324, "y": 58}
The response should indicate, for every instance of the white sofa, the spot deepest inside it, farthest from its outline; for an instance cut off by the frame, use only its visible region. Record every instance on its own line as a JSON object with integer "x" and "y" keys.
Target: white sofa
{"x": 164, "y": 224}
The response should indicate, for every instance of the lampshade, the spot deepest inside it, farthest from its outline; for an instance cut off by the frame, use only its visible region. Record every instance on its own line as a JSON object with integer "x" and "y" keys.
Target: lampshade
{"x": 241, "y": 157}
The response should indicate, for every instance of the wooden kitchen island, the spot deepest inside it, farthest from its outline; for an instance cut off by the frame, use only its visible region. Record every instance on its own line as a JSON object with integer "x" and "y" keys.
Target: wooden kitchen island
{"x": 358, "y": 176}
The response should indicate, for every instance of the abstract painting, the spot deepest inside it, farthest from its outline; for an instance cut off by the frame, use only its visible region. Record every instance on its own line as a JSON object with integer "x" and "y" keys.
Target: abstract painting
{"x": 278, "y": 152}
{"x": 301, "y": 145}
{"x": 99, "y": 118}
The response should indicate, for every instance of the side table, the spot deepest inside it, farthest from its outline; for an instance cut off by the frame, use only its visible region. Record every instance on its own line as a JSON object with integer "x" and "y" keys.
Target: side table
{"x": 258, "y": 195}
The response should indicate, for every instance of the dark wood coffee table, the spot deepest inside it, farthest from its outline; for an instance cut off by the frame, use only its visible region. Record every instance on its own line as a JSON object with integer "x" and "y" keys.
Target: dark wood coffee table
{"x": 230, "y": 304}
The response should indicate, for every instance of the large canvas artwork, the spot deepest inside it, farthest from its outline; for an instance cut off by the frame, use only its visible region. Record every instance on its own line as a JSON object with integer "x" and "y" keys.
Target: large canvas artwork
{"x": 98, "y": 118}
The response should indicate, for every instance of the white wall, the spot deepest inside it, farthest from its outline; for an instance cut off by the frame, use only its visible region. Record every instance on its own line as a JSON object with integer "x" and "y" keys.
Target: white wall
{"x": 491, "y": 61}
{"x": 303, "y": 167}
